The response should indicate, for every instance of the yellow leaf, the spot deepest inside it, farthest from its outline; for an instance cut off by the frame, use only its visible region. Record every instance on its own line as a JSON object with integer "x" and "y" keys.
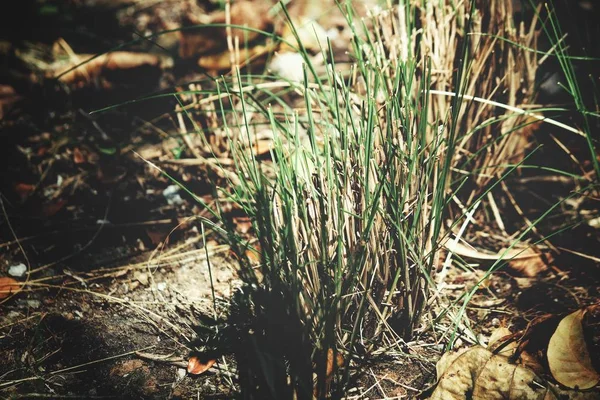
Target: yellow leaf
{"x": 568, "y": 356}
{"x": 487, "y": 377}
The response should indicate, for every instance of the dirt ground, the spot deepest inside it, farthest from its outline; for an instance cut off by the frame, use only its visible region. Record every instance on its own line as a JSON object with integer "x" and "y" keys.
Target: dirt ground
{"x": 117, "y": 274}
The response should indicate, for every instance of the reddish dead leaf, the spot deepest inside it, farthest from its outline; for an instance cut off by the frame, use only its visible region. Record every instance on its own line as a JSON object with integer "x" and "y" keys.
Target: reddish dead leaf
{"x": 157, "y": 236}
{"x": 78, "y": 157}
{"x": 50, "y": 209}
{"x": 568, "y": 356}
{"x": 196, "y": 366}
{"x": 24, "y": 190}
{"x": 8, "y": 287}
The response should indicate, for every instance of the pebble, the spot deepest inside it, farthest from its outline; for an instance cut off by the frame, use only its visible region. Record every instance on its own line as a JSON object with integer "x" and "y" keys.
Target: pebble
{"x": 17, "y": 270}
{"x": 170, "y": 193}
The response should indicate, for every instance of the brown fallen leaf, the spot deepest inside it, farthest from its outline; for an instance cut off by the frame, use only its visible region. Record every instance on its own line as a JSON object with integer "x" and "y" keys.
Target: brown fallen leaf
{"x": 568, "y": 356}
{"x": 262, "y": 146}
{"x": 253, "y": 253}
{"x": 196, "y": 366}
{"x": 95, "y": 67}
{"x": 532, "y": 266}
{"x": 339, "y": 363}
{"x": 329, "y": 372}
{"x": 157, "y": 236}
{"x": 53, "y": 207}
{"x": 24, "y": 190}
{"x": 485, "y": 376}
{"x": 222, "y": 60}
{"x": 211, "y": 39}
{"x": 527, "y": 262}
{"x": 8, "y": 287}
{"x": 78, "y": 157}
{"x": 501, "y": 343}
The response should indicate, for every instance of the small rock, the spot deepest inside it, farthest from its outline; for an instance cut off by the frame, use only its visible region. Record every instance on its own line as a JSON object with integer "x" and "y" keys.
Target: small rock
{"x": 172, "y": 195}
{"x": 161, "y": 286}
{"x": 141, "y": 277}
{"x": 34, "y": 303}
{"x": 17, "y": 270}
{"x": 289, "y": 66}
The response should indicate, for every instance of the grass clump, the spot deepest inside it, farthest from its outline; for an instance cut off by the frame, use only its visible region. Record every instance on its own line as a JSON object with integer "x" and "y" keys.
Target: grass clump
{"x": 352, "y": 208}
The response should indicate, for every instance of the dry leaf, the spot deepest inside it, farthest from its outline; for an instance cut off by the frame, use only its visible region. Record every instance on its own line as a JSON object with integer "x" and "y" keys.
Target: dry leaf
{"x": 531, "y": 266}
{"x": 157, "y": 236}
{"x": 568, "y": 356}
{"x": 52, "y": 208}
{"x": 118, "y": 60}
{"x": 8, "y": 287}
{"x": 24, "y": 190}
{"x": 253, "y": 254}
{"x": 222, "y": 61}
{"x": 485, "y": 376}
{"x": 196, "y": 366}
{"x": 528, "y": 262}
{"x": 498, "y": 338}
{"x": 262, "y": 146}
{"x": 339, "y": 362}
{"x": 78, "y": 157}
{"x": 193, "y": 42}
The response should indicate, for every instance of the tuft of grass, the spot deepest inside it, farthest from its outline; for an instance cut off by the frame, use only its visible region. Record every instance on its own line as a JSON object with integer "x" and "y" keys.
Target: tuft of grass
{"x": 350, "y": 213}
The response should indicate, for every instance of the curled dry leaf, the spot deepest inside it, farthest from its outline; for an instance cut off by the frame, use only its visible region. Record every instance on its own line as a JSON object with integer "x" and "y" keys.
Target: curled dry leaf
{"x": 528, "y": 262}
{"x": 486, "y": 376}
{"x": 568, "y": 356}
{"x": 8, "y": 287}
{"x": 196, "y": 366}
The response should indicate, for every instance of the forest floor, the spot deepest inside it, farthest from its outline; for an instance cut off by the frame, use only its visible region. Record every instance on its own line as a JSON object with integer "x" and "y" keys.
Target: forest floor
{"x": 113, "y": 262}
